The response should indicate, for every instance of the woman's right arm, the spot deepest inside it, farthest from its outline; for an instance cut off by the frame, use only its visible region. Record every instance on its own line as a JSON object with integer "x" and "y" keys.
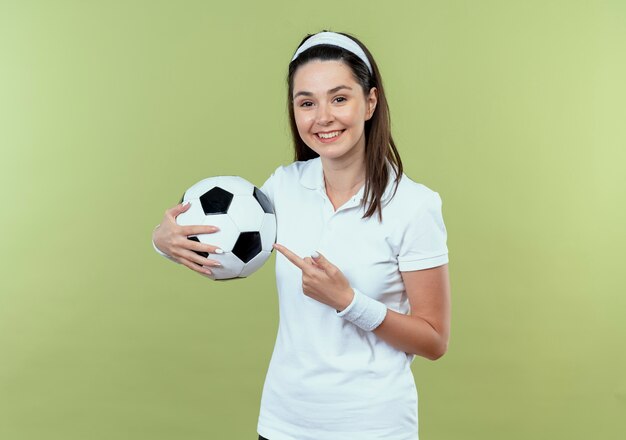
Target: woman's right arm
{"x": 170, "y": 240}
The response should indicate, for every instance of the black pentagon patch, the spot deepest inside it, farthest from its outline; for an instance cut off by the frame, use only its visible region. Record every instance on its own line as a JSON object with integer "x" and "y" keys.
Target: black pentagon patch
{"x": 264, "y": 201}
{"x": 202, "y": 254}
{"x": 248, "y": 246}
{"x": 216, "y": 201}
{"x": 182, "y": 198}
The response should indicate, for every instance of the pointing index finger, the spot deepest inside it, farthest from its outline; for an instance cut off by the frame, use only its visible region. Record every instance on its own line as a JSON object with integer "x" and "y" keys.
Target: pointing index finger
{"x": 296, "y": 260}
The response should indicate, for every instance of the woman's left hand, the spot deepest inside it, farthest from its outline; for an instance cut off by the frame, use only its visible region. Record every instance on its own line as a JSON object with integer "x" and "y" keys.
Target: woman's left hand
{"x": 321, "y": 280}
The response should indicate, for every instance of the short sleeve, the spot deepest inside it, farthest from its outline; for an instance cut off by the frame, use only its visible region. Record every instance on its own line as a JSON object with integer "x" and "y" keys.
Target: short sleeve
{"x": 270, "y": 185}
{"x": 423, "y": 243}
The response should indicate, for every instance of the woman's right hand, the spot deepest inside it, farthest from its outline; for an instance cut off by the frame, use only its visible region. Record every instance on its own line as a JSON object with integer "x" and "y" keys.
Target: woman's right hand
{"x": 171, "y": 239}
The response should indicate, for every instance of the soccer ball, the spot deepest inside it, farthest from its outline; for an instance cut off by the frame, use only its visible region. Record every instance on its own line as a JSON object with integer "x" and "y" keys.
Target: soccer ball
{"x": 245, "y": 217}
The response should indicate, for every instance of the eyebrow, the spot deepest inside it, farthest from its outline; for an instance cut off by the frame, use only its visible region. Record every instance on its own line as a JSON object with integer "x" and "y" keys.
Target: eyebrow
{"x": 330, "y": 92}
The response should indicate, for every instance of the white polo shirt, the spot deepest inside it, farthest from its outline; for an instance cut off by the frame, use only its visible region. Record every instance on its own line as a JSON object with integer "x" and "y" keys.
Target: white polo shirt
{"x": 327, "y": 378}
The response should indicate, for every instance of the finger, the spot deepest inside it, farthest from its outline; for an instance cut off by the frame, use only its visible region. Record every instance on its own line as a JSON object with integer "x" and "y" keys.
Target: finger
{"x": 201, "y": 259}
{"x": 198, "y": 229}
{"x": 198, "y": 252}
{"x": 315, "y": 265}
{"x": 321, "y": 261}
{"x": 196, "y": 267}
{"x": 174, "y": 211}
{"x": 310, "y": 262}
{"x": 183, "y": 208}
{"x": 195, "y": 245}
{"x": 199, "y": 263}
{"x": 211, "y": 263}
{"x": 296, "y": 260}
{"x": 193, "y": 257}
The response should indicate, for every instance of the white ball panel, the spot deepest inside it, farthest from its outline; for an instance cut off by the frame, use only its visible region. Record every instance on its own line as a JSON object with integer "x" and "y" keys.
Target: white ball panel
{"x": 200, "y": 188}
{"x": 255, "y": 263}
{"x": 232, "y": 266}
{"x": 268, "y": 232}
{"x": 234, "y": 184}
{"x": 226, "y": 237}
{"x": 193, "y": 216}
{"x": 246, "y": 213}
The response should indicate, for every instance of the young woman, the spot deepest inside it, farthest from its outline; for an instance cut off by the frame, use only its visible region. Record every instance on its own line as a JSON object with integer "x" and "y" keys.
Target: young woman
{"x": 362, "y": 269}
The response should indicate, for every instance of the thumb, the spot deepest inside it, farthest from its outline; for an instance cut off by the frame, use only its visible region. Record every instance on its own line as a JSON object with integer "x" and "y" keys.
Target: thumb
{"x": 178, "y": 209}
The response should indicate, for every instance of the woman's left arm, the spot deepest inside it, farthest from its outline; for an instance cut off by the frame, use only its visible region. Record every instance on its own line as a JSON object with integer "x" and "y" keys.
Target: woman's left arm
{"x": 426, "y": 330}
{"x": 423, "y": 332}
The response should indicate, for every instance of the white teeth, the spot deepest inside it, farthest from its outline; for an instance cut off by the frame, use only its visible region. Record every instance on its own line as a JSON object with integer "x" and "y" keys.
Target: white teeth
{"x": 329, "y": 135}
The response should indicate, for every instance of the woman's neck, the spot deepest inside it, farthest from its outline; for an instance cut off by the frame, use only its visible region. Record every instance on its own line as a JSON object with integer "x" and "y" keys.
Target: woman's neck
{"x": 345, "y": 177}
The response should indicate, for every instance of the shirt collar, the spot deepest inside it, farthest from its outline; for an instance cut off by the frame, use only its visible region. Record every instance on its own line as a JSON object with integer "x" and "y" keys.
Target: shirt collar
{"x": 312, "y": 174}
{"x": 312, "y": 177}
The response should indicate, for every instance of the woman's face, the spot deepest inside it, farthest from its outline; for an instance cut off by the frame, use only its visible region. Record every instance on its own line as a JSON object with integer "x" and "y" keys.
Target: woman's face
{"x": 330, "y": 109}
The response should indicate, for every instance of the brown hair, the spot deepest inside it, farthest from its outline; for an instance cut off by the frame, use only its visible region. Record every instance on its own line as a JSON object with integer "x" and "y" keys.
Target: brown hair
{"x": 379, "y": 144}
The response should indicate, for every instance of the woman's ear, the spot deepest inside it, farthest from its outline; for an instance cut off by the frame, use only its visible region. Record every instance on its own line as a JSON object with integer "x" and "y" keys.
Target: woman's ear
{"x": 371, "y": 101}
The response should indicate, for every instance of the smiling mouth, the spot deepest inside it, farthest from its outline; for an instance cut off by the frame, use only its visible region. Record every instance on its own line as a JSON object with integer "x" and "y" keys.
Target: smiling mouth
{"x": 329, "y": 135}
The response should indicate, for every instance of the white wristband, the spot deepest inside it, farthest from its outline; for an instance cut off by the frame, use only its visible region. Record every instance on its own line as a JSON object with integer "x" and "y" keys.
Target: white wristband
{"x": 364, "y": 312}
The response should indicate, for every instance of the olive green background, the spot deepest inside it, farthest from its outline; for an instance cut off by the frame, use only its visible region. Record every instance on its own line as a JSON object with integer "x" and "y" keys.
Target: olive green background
{"x": 513, "y": 111}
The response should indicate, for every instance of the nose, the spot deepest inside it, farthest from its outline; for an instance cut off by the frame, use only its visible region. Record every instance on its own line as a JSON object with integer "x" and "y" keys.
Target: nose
{"x": 324, "y": 114}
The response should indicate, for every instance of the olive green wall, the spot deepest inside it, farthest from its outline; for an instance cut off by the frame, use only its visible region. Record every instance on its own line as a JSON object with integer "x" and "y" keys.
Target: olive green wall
{"x": 513, "y": 111}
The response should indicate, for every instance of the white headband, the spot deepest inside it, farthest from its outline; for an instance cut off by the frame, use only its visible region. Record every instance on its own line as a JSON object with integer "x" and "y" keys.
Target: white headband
{"x": 334, "y": 39}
